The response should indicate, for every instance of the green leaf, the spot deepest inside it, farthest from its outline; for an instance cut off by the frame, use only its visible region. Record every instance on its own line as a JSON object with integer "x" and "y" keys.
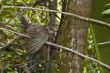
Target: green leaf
{"x": 106, "y": 12}
{"x": 107, "y": 6}
{"x": 101, "y": 33}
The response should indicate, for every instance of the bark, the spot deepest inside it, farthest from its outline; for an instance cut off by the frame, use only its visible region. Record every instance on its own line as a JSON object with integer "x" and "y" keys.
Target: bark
{"x": 73, "y": 34}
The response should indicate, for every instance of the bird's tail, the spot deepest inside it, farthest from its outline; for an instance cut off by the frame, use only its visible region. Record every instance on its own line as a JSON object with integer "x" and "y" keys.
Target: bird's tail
{"x": 23, "y": 21}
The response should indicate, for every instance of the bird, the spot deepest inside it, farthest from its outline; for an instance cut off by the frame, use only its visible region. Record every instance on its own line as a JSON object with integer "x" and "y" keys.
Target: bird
{"x": 38, "y": 35}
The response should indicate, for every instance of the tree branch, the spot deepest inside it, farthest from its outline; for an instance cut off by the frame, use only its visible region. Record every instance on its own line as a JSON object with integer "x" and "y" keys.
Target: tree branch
{"x": 79, "y": 54}
{"x": 64, "y": 48}
{"x": 66, "y": 13}
{"x": 9, "y": 42}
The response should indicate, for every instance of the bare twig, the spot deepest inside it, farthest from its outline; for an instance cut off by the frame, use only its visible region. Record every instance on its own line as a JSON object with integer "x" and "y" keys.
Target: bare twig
{"x": 65, "y": 48}
{"x": 15, "y": 32}
{"x": 9, "y": 42}
{"x": 66, "y": 13}
{"x": 103, "y": 43}
{"x": 79, "y": 54}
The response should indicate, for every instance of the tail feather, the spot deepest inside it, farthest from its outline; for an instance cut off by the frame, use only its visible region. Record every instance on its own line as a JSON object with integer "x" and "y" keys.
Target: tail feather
{"x": 23, "y": 21}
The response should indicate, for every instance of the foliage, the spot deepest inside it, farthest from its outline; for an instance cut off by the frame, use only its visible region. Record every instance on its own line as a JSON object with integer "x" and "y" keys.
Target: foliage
{"x": 101, "y": 33}
{"x": 14, "y": 55}
{"x": 107, "y": 11}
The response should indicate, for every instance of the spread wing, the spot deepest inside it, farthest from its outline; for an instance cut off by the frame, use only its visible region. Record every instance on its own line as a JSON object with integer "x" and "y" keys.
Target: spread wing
{"x": 38, "y": 34}
{"x": 38, "y": 37}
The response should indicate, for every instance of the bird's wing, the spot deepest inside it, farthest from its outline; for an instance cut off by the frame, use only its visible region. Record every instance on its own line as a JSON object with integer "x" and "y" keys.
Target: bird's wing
{"x": 38, "y": 36}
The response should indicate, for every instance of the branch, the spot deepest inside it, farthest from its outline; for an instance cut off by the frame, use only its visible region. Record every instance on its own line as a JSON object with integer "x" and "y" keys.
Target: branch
{"x": 66, "y": 13}
{"x": 15, "y": 32}
{"x": 64, "y": 48}
{"x": 103, "y": 43}
{"x": 9, "y": 42}
{"x": 79, "y": 54}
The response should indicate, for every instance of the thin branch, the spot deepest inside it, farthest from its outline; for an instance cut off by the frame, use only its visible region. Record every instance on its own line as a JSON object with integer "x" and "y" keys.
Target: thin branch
{"x": 64, "y": 48}
{"x": 11, "y": 30}
{"x": 9, "y": 42}
{"x": 66, "y": 13}
{"x": 79, "y": 54}
{"x": 104, "y": 43}
{"x": 15, "y": 32}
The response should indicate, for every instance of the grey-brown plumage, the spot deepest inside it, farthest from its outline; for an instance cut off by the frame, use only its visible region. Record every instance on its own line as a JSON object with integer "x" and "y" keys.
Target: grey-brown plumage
{"x": 38, "y": 36}
{"x": 37, "y": 33}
